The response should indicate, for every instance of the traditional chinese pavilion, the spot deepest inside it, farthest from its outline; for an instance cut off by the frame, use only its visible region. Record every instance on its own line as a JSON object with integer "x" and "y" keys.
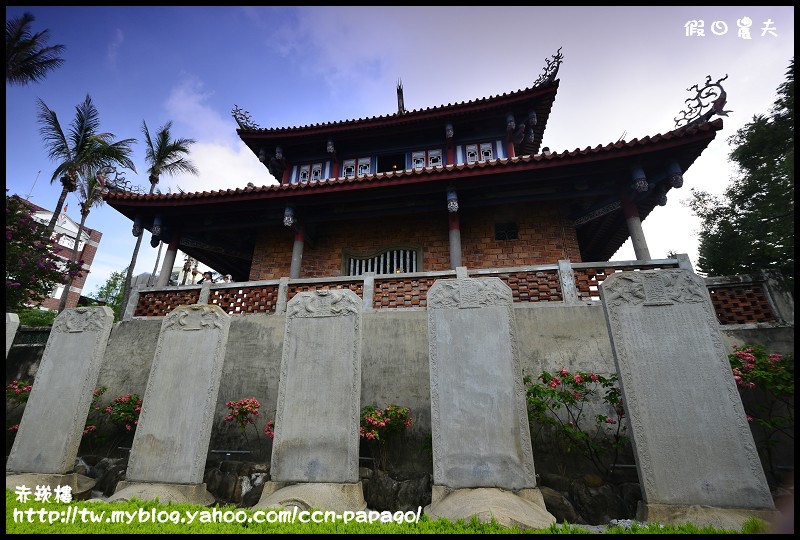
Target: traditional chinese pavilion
{"x": 466, "y": 184}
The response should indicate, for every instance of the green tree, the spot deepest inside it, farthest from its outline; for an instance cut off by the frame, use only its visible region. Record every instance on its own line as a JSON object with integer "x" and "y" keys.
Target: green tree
{"x": 33, "y": 266}
{"x": 165, "y": 155}
{"x": 751, "y": 227}
{"x": 110, "y": 292}
{"x": 81, "y": 151}
{"x": 28, "y": 57}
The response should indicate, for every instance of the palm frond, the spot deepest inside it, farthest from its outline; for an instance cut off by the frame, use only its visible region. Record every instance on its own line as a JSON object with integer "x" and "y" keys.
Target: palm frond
{"x": 28, "y": 58}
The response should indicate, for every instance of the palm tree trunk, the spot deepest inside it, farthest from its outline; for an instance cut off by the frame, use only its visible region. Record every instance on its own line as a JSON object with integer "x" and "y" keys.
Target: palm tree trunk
{"x": 74, "y": 257}
{"x": 129, "y": 274}
{"x": 52, "y": 225}
{"x": 152, "y": 279}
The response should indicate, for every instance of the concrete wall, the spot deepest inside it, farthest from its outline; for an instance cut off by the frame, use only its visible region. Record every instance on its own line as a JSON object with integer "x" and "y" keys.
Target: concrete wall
{"x": 394, "y": 370}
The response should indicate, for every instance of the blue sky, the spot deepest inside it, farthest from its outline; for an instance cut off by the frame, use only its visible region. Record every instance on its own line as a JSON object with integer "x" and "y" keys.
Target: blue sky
{"x": 625, "y": 71}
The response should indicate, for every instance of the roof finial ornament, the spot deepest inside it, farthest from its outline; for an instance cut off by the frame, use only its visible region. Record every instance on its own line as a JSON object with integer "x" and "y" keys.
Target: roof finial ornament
{"x": 243, "y": 118}
{"x": 401, "y": 106}
{"x": 694, "y": 114}
{"x": 550, "y": 69}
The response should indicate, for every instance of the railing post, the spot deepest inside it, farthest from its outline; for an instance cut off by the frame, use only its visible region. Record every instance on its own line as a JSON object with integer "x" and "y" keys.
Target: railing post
{"x": 569, "y": 292}
{"x": 684, "y": 262}
{"x": 130, "y": 309}
{"x": 461, "y": 272}
{"x": 368, "y": 290}
{"x": 283, "y": 293}
{"x": 781, "y": 301}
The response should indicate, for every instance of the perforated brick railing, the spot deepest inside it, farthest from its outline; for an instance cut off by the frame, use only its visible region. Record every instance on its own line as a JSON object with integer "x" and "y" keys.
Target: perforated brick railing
{"x": 736, "y": 300}
{"x": 357, "y": 287}
{"x": 160, "y": 303}
{"x": 741, "y": 304}
{"x": 246, "y": 300}
{"x": 588, "y": 280}
{"x": 533, "y": 286}
{"x": 401, "y": 292}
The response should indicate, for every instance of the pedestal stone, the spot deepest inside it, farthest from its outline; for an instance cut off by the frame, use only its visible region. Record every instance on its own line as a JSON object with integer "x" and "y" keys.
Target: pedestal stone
{"x": 12, "y": 324}
{"x": 482, "y": 455}
{"x": 169, "y": 450}
{"x": 49, "y": 435}
{"x": 695, "y": 453}
{"x": 315, "y": 449}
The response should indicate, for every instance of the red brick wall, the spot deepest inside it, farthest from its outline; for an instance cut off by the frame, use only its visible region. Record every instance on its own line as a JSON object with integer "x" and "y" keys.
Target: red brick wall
{"x": 87, "y": 255}
{"x": 545, "y": 236}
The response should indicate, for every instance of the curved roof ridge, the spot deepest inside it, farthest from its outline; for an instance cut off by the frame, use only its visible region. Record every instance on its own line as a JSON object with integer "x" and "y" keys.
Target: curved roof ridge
{"x": 435, "y": 108}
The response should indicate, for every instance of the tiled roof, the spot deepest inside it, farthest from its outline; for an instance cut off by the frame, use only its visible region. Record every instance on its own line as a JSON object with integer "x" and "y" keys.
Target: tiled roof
{"x": 648, "y": 143}
{"x": 410, "y": 115}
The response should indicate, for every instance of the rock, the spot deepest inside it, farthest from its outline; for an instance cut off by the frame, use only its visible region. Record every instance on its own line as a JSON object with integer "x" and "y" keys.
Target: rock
{"x": 597, "y": 505}
{"x": 409, "y": 492}
{"x": 558, "y": 505}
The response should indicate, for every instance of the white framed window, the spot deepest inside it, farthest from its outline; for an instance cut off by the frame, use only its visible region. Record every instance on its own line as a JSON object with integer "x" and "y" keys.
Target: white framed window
{"x": 388, "y": 261}
{"x": 364, "y": 166}
{"x": 426, "y": 158}
{"x": 472, "y": 153}
{"x": 66, "y": 241}
{"x": 349, "y": 168}
{"x": 486, "y": 152}
{"x": 316, "y": 172}
{"x": 304, "y": 173}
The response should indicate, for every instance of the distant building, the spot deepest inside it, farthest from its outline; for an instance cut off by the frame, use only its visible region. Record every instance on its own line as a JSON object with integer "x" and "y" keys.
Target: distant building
{"x": 65, "y": 233}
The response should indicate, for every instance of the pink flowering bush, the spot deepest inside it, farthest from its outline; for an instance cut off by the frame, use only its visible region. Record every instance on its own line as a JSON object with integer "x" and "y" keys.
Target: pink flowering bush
{"x": 124, "y": 411}
{"x": 556, "y": 406}
{"x": 379, "y": 425}
{"x": 18, "y": 391}
{"x": 243, "y": 412}
{"x": 766, "y": 384}
{"x": 96, "y": 412}
{"x": 33, "y": 264}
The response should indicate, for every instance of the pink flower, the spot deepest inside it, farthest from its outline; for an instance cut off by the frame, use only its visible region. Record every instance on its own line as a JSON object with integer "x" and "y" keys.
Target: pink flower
{"x": 593, "y": 377}
{"x": 610, "y": 420}
{"x": 749, "y": 418}
{"x": 563, "y": 372}
{"x": 577, "y": 378}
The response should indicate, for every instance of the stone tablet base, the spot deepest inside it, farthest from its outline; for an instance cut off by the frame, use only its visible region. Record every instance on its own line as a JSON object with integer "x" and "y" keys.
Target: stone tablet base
{"x": 165, "y": 493}
{"x": 703, "y": 516}
{"x": 524, "y": 509}
{"x": 305, "y": 496}
{"x": 81, "y": 485}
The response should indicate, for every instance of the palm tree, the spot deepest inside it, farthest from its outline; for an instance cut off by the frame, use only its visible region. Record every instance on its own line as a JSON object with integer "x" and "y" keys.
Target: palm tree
{"x": 91, "y": 194}
{"x": 28, "y": 58}
{"x": 80, "y": 152}
{"x": 165, "y": 156}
